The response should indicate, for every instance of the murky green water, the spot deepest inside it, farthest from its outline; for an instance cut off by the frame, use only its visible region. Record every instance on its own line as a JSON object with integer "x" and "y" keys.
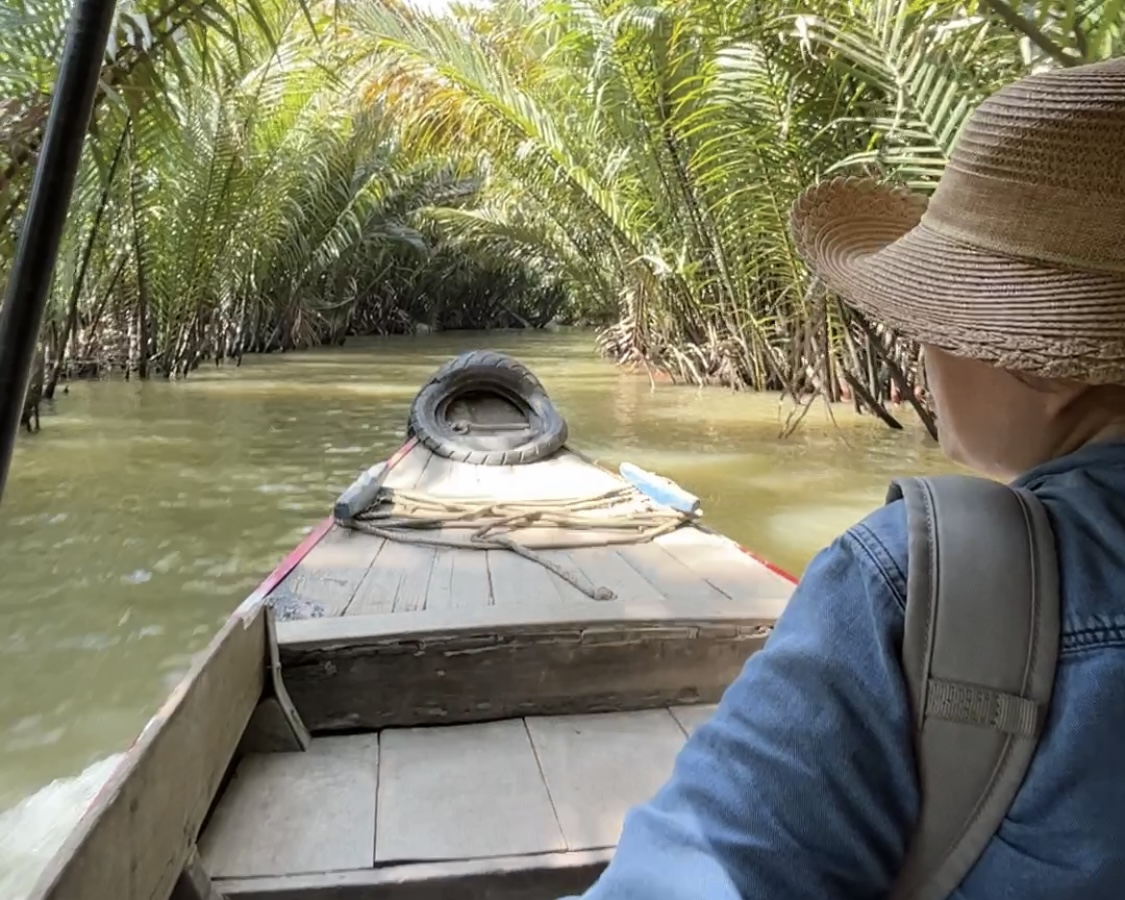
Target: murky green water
{"x": 143, "y": 513}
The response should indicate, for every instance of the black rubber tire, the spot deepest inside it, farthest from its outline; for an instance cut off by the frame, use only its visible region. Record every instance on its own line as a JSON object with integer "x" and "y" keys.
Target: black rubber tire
{"x": 486, "y": 370}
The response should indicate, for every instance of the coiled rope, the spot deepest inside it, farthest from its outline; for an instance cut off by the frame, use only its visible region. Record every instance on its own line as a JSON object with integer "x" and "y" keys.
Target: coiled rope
{"x": 622, "y": 515}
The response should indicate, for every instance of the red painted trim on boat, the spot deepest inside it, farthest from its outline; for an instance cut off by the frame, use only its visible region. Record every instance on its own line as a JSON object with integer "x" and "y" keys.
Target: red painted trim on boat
{"x": 777, "y": 570}
{"x": 400, "y": 454}
{"x": 290, "y": 562}
{"x": 313, "y": 538}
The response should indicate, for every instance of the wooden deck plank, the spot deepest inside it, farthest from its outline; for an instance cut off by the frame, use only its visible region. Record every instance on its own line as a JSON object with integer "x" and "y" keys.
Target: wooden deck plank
{"x": 691, "y": 717}
{"x": 325, "y": 634}
{"x": 569, "y": 593}
{"x": 502, "y": 482}
{"x": 462, "y": 792}
{"x": 668, "y": 575}
{"x": 439, "y": 586}
{"x": 409, "y": 471}
{"x": 468, "y": 582}
{"x": 288, "y": 813}
{"x": 324, "y": 582}
{"x": 415, "y": 576}
{"x": 604, "y": 567}
{"x": 448, "y": 478}
{"x": 472, "y": 581}
{"x": 459, "y": 479}
{"x": 569, "y": 475}
{"x": 538, "y": 876}
{"x": 517, "y": 581}
{"x": 459, "y": 578}
{"x": 396, "y": 582}
{"x": 562, "y": 476}
{"x": 599, "y": 766}
{"x": 415, "y": 580}
{"x": 719, "y": 561}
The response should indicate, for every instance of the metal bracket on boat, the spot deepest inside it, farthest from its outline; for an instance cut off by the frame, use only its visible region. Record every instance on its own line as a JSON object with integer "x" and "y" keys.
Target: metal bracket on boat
{"x": 275, "y": 725}
{"x": 194, "y": 883}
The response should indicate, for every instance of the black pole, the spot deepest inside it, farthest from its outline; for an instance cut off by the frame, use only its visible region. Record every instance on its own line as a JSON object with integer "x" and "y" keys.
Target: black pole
{"x": 30, "y": 278}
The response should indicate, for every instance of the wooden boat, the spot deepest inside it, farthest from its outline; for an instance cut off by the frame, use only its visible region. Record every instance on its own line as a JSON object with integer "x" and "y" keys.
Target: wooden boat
{"x": 418, "y": 705}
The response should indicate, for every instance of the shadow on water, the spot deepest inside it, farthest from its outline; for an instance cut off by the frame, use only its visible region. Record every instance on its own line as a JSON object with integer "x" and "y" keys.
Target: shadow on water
{"x": 144, "y": 512}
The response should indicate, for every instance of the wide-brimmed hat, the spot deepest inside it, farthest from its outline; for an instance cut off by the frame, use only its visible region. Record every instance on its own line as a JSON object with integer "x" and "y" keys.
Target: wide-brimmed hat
{"x": 1018, "y": 259}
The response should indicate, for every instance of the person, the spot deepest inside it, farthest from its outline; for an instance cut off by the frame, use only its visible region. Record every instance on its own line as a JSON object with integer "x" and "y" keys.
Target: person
{"x": 803, "y": 783}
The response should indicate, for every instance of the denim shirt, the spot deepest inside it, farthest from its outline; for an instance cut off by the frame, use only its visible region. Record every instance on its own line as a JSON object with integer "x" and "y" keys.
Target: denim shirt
{"x": 802, "y": 784}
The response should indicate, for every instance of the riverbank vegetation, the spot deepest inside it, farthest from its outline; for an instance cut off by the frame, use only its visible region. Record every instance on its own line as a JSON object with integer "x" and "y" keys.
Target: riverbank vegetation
{"x": 272, "y": 174}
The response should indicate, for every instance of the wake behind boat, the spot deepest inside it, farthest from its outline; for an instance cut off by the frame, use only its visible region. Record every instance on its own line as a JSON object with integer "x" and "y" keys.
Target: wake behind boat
{"x": 455, "y": 686}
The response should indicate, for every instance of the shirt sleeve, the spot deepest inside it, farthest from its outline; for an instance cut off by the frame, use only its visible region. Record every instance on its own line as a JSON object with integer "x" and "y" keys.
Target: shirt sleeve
{"x": 802, "y": 784}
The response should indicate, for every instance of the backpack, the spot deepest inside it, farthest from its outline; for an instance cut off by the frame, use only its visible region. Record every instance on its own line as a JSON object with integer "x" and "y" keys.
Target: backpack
{"x": 979, "y": 654}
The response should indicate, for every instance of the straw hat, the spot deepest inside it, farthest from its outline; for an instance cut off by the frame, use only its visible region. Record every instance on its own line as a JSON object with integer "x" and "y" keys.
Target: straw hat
{"x": 1019, "y": 258}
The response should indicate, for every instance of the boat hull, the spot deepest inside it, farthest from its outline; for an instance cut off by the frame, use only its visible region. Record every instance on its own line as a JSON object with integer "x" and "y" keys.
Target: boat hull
{"x": 428, "y": 720}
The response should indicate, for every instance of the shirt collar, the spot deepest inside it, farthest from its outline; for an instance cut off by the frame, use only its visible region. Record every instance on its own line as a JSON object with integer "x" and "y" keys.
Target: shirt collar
{"x": 1099, "y": 455}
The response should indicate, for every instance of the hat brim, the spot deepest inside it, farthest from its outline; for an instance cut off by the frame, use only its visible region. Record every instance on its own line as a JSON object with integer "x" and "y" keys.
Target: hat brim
{"x": 867, "y": 243}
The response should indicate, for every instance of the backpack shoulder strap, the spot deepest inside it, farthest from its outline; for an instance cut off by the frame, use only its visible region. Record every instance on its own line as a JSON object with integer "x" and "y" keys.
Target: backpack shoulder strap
{"x": 979, "y": 654}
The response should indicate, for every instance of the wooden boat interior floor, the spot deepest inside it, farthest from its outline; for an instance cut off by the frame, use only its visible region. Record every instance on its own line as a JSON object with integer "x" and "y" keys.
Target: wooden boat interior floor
{"x": 550, "y": 788}
{"x": 479, "y": 724}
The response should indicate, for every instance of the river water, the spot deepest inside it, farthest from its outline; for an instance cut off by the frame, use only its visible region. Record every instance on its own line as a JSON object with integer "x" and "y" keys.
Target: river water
{"x": 142, "y": 513}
